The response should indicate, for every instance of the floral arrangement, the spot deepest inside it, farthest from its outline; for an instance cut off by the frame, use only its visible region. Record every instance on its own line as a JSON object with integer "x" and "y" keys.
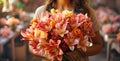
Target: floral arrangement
{"x": 110, "y": 28}
{"x": 58, "y": 32}
{"x": 109, "y": 19}
{"x": 13, "y": 22}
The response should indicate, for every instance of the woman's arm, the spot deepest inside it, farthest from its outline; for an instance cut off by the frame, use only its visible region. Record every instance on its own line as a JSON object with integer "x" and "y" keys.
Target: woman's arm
{"x": 97, "y": 45}
{"x": 97, "y": 40}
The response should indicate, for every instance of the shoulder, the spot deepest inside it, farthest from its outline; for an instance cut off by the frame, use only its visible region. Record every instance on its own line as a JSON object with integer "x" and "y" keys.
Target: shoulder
{"x": 41, "y": 9}
{"x": 93, "y": 16}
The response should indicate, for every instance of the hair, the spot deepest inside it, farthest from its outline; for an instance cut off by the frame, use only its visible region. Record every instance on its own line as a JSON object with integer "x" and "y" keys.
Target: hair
{"x": 80, "y": 6}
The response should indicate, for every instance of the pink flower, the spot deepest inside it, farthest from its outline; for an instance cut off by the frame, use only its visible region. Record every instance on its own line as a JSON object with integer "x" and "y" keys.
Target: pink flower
{"x": 114, "y": 27}
{"x": 102, "y": 16}
{"x": 61, "y": 28}
{"x": 72, "y": 22}
{"x": 41, "y": 25}
{"x": 80, "y": 17}
{"x": 107, "y": 28}
{"x": 54, "y": 51}
{"x": 117, "y": 17}
{"x": 112, "y": 18}
{"x": 34, "y": 43}
{"x": 69, "y": 39}
{"x": 56, "y": 17}
{"x": 3, "y": 21}
{"x": 36, "y": 47}
{"x": 28, "y": 34}
{"x": 86, "y": 27}
{"x": 45, "y": 17}
{"x": 53, "y": 35}
{"x": 44, "y": 26}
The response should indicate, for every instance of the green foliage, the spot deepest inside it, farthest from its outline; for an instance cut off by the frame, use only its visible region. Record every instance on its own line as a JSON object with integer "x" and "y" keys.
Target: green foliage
{"x": 1, "y": 1}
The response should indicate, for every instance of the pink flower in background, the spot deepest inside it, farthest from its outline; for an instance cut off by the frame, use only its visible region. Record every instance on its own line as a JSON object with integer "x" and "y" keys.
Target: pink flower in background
{"x": 112, "y": 18}
{"x": 107, "y": 28}
{"x": 102, "y": 15}
{"x": 114, "y": 28}
{"x": 117, "y": 17}
{"x": 3, "y": 21}
{"x": 5, "y": 31}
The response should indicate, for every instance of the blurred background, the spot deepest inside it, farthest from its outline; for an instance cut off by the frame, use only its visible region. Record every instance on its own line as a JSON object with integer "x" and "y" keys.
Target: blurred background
{"x": 16, "y": 14}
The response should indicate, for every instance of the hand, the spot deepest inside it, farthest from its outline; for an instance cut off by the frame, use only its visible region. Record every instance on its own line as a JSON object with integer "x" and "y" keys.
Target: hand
{"x": 77, "y": 55}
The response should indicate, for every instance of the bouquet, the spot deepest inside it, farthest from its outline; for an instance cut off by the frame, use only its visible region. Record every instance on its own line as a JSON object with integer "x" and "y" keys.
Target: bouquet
{"x": 58, "y": 32}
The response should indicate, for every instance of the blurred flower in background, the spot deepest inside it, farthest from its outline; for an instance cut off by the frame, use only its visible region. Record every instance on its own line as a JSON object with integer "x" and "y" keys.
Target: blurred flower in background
{"x": 3, "y": 21}
{"x": 13, "y": 22}
{"x": 109, "y": 20}
{"x": 5, "y": 31}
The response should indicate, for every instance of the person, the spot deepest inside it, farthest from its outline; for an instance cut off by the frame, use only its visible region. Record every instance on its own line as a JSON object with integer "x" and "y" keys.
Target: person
{"x": 77, "y": 6}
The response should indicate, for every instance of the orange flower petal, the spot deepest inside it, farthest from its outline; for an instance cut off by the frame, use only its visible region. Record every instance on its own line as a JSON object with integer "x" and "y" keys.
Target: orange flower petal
{"x": 52, "y": 23}
{"x": 32, "y": 21}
